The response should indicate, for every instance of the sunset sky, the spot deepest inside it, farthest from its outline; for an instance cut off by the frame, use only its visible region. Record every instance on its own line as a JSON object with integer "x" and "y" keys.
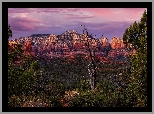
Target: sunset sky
{"x": 110, "y": 21}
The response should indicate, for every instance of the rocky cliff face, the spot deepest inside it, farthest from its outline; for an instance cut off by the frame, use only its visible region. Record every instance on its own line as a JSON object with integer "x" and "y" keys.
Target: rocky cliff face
{"x": 71, "y": 41}
{"x": 117, "y": 43}
{"x": 104, "y": 42}
{"x": 28, "y": 49}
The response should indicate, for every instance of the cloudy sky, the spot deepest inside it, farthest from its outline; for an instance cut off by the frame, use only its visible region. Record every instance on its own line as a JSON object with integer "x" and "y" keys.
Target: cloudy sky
{"x": 108, "y": 21}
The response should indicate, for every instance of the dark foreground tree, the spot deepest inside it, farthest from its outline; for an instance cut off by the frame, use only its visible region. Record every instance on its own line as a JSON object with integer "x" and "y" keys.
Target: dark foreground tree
{"x": 92, "y": 70}
{"x": 9, "y": 32}
{"x": 21, "y": 69}
{"x": 136, "y": 37}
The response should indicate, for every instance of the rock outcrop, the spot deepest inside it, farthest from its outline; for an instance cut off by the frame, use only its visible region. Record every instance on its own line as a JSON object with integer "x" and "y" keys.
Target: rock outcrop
{"x": 70, "y": 42}
{"x": 28, "y": 49}
{"x": 117, "y": 43}
{"x": 104, "y": 42}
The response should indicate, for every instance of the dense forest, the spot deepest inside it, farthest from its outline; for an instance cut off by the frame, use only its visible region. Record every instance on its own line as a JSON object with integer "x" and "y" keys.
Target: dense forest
{"x": 64, "y": 82}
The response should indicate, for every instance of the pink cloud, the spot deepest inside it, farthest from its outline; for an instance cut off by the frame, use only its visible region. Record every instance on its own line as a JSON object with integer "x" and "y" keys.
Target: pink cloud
{"x": 48, "y": 10}
{"x": 103, "y": 13}
{"x": 106, "y": 12}
{"x": 20, "y": 26}
{"x": 28, "y": 20}
{"x": 116, "y": 13}
{"x": 38, "y": 10}
{"x": 23, "y": 24}
{"x": 73, "y": 16}
{"x": 26, "y": 10}
{"x": 30, "y": 10}
{"x": 98, "y": 20}
{"x": 133, "y": 12}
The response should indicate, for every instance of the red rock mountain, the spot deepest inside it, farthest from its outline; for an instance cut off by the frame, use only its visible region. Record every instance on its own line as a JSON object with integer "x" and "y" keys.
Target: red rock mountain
{"x": 71, "y": 42}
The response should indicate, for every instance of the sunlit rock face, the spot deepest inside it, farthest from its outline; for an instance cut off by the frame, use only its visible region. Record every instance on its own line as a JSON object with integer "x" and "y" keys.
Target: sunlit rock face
{"x": 93, "y": 43}
{"x": 28, "y": 50}
{"x": 52, "y": 38}
{"x": 77, "y": 46}
{"x": 75, "y": 36}
{"x": 11, "y": 45}
{"x": 114, "y": 42}
{"x": 64, "y": 48}
{"x": 104, "y": 42}
{"x": 122, "y": 44}
{"x": 83, "y": 37}
{"x": 71, "y": 41}
{"x": 28, "y": 46}
{"x": 117, "y": 43}
{"x": 69, "y": 36}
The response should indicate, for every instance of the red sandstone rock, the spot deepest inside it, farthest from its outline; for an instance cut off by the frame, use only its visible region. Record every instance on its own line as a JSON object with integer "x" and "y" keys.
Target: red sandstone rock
{"x": 78, "y": 46}
{"x": 117, "y": 43}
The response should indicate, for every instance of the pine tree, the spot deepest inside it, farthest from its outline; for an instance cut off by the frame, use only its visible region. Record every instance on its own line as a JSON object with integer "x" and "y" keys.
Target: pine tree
{"x": 20, "y": 76}
{"x": 136, "y": 35}
{"x": 9, "y": 32}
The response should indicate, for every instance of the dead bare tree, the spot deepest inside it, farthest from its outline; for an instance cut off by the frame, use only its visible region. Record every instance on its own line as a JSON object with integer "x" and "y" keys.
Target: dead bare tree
{"x": 92, "y": 69}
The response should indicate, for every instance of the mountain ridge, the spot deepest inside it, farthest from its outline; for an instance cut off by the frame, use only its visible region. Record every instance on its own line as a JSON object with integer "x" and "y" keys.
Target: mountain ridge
{"x": 71, "y": 42}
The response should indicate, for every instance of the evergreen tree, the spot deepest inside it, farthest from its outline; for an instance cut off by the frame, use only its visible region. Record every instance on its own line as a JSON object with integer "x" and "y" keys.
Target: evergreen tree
{"x": 21, "y": 77}
{"x": 9, "y": 32}
{"x": 136, "y": 36}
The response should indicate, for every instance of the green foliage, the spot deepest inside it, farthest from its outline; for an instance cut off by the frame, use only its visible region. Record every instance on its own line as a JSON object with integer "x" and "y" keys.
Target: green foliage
{"x": 55, "y": 101}
{"x": 83, "y": 85}
{"x": 54, "y": 89}
{"x": 86, "y": 99}
{"x": 21, "y": 79}
{"x": 14, "y": 101}
{"x": 48, "y": 80}
{"x": 137, "y": 87}
{"x": 98, "y": 98}
{"x": 136, "y": 34}
{"x": 32, "y": 100}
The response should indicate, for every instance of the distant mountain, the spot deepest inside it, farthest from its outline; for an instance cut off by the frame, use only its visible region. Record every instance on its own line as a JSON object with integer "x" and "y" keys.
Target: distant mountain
{"x": 51, "y": 45}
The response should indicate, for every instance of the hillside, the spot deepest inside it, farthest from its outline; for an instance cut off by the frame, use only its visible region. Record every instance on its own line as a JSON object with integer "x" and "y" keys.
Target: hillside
{"x": 70, "y": 43}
